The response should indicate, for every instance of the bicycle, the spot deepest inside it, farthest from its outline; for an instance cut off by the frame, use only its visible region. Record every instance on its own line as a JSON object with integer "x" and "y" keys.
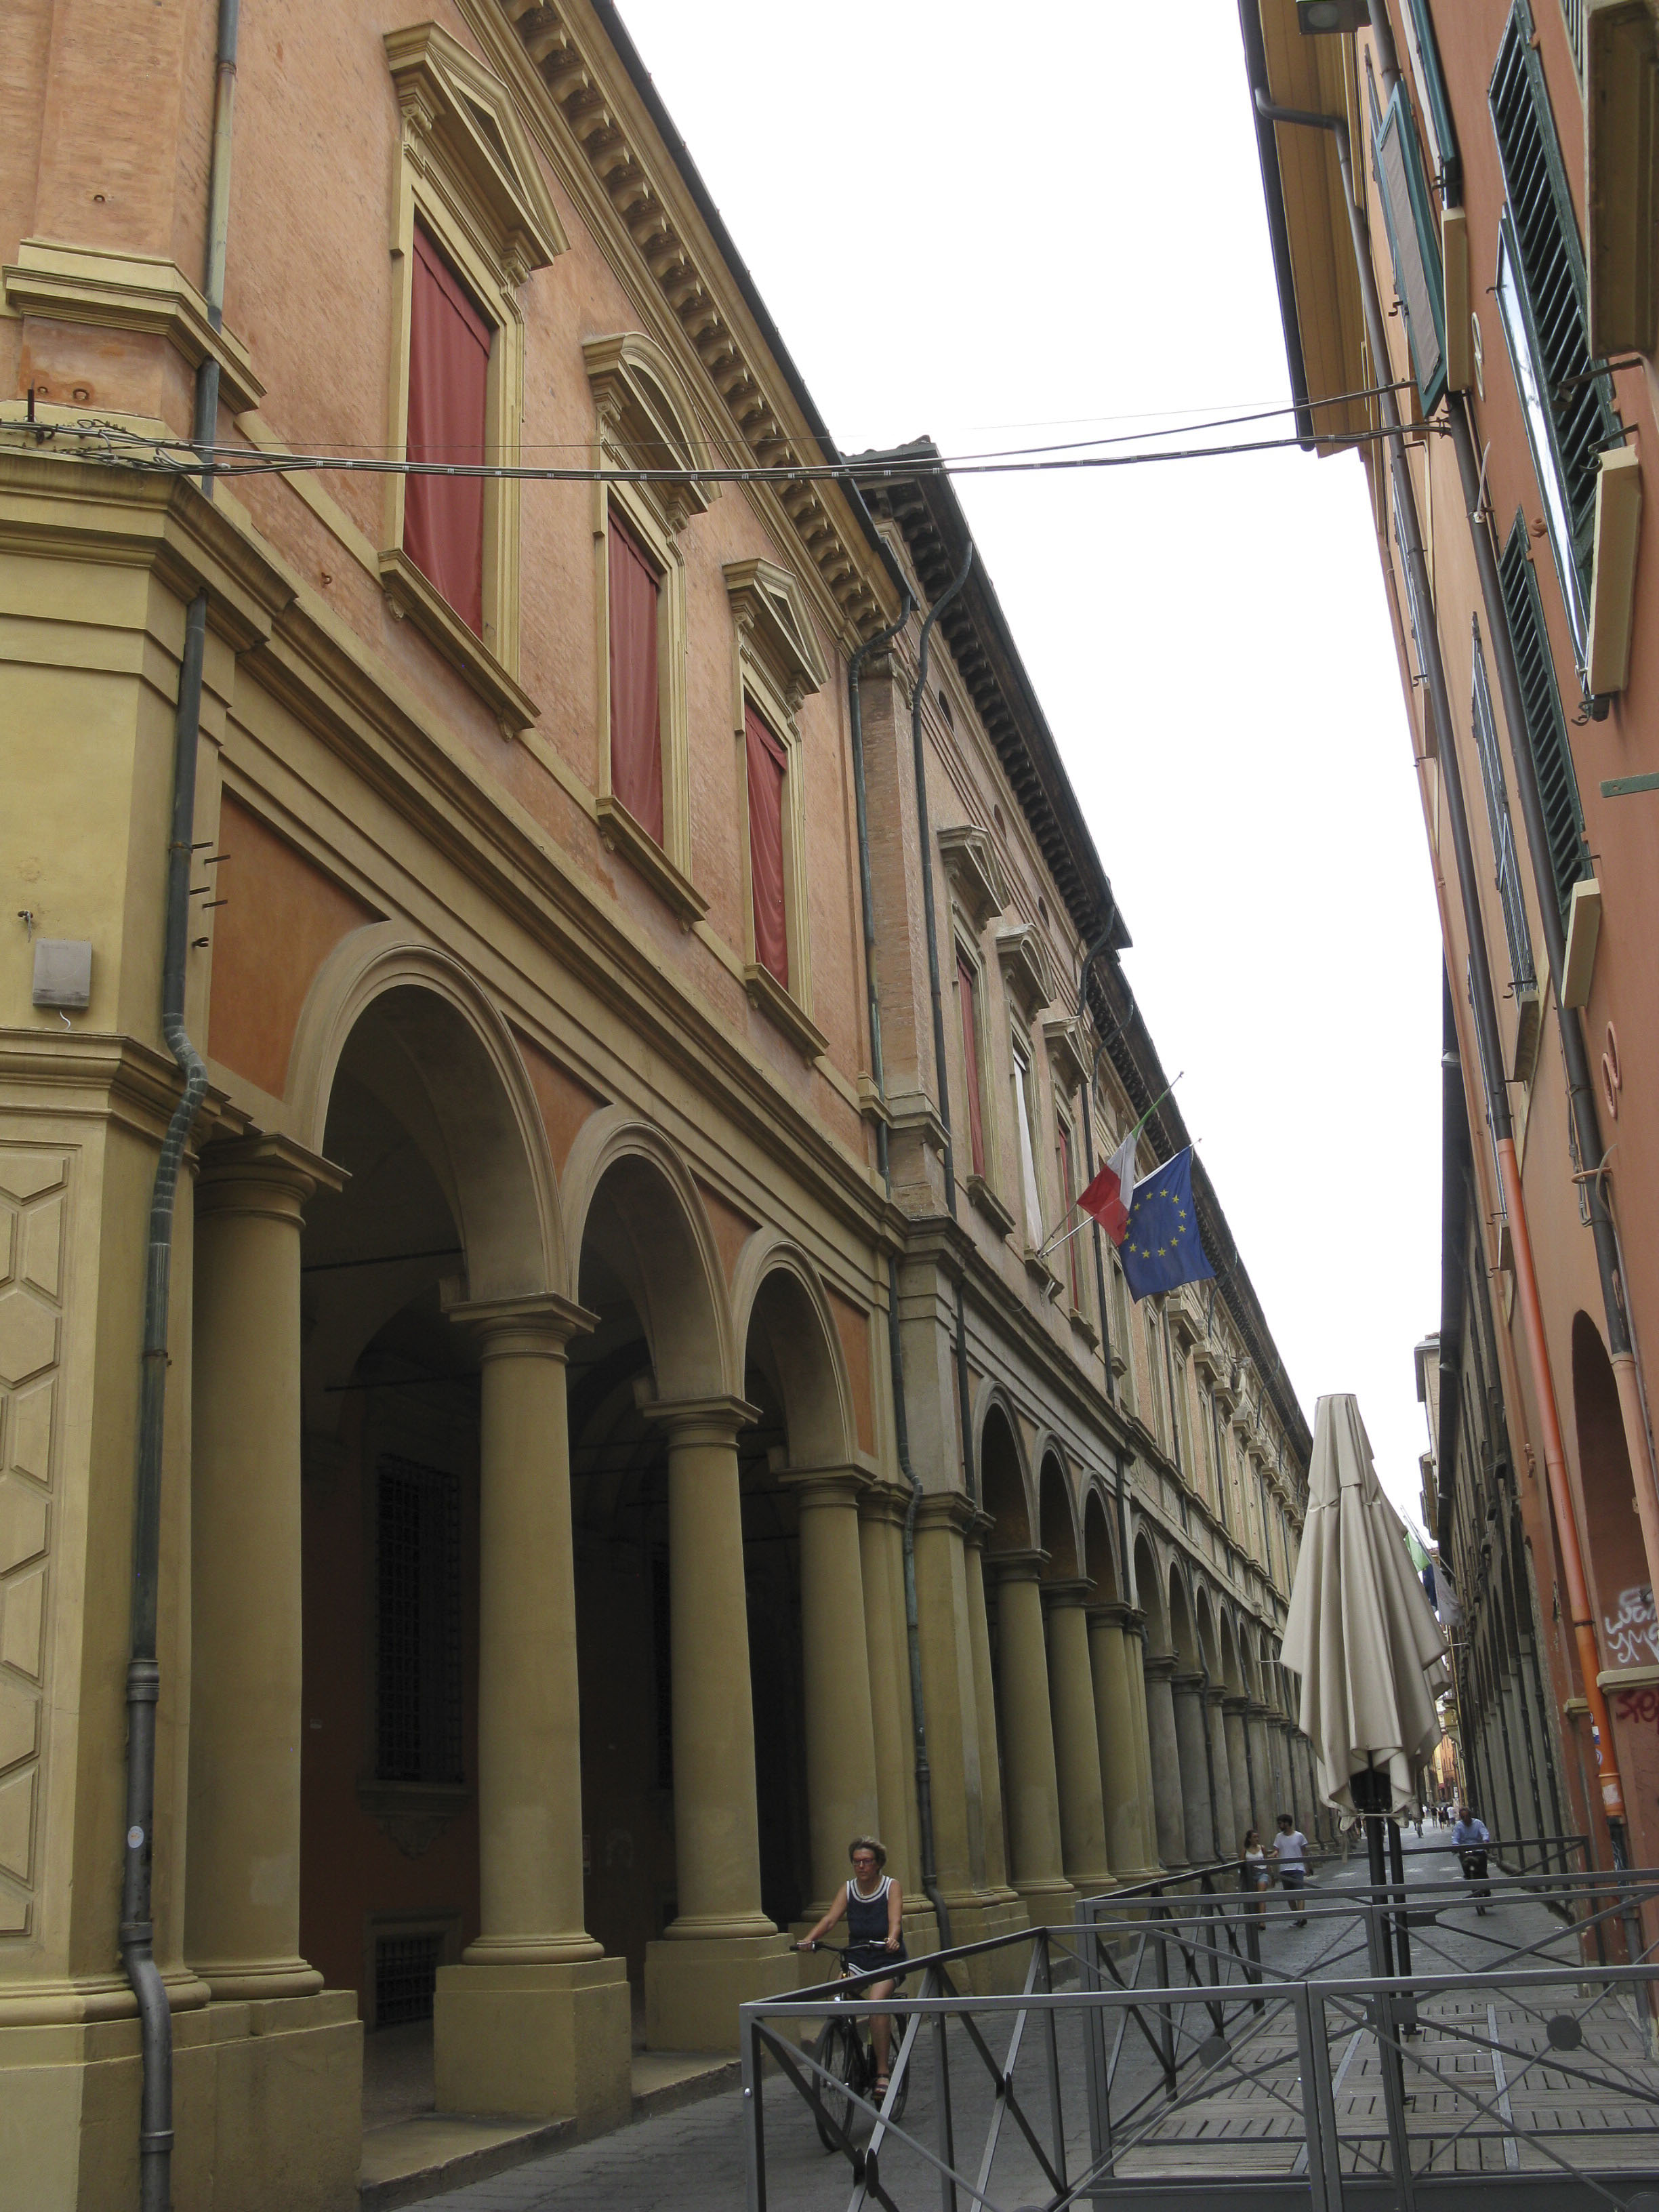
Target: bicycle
{"x": 844, "y": 2050}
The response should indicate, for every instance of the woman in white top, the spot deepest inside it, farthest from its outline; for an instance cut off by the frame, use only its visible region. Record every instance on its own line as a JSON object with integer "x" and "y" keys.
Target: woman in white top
{"x": 1253, "y": 1871}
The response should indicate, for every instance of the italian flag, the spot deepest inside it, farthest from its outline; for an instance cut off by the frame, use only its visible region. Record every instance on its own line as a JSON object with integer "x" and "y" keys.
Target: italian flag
{"x": 1110, "y": 1196}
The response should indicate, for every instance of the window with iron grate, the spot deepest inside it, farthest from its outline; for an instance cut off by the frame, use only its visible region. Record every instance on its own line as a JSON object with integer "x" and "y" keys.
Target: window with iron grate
{"x": 405, "y": 1978}
{"x": 418, "y": 1623}
{"x": 1505, "y": 858}
{"x": 1547, "y": 730}
{"x": 1541, "y": 294}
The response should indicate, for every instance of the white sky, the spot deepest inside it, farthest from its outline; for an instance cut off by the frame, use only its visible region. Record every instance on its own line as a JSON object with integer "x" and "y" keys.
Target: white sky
{"x": 965, "y": 223}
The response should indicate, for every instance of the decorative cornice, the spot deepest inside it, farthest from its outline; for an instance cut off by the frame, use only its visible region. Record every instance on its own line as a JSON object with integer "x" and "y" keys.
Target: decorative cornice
{"x": 647, "y": 422}
{"x": 775, "y": 627}
{"x": 619, "y": 166}
{"x": 137, "y": 292}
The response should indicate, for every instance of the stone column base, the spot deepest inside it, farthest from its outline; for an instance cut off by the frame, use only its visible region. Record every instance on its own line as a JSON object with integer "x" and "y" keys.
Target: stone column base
{"x": 268, "y": 2114}
{"x": 543, "y": 2042}
{"x": 1046, "y": 1902}
{"x": 693, "y": 1985}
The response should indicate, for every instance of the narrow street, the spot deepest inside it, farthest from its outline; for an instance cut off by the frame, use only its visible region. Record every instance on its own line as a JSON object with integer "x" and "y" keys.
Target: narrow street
{"x": 693, "y": 2159}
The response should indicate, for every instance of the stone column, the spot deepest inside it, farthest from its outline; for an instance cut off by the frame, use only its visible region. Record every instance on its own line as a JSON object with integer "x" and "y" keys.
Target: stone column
{"x": 1077, "y": 1739}
{"x": 947, "y": 1679}
{"x": 242, "y": 1895}
{"x": 994, "y": 1880}
{"x": 1169, "y": 1809}
{"x": 1189, "y": 1690}
{"x": 1221, "y": 1774}
{"x": 536, "y": 2019}
{"x": 1233, "y": 1710}
{"x": 1134, "y": 1653}
{"x": 1120, "y": 1764}
{"x": 1263, "y": 1803}
{"x": 720, "y": 1949}
{"x": 1027, "y": 1739}
{"x": 881, "y": 1542}
{"x": 840, "y": 1728}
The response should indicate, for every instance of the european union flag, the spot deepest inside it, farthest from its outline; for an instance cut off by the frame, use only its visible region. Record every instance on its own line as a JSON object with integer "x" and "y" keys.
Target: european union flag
{"x": 1161, "y": 1248}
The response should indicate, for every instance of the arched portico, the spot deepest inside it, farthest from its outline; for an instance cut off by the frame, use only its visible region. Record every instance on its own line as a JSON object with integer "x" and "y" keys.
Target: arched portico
{"x": 1115, "y": 1657}
{"x": 1066, "y": 1592}
{"x": 671, "y": 1472}
{"x": 383, "y": 1304}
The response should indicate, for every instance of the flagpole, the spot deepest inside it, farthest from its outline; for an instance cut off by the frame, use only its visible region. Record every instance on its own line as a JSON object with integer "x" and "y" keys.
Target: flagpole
{"x": 1054, "y": 1242}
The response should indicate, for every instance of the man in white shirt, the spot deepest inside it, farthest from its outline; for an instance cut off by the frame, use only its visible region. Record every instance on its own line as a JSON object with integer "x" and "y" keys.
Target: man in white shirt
{"x": 1291, "y": 1851}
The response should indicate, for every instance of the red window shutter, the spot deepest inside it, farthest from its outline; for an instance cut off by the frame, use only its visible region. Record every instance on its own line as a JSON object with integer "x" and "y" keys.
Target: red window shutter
{"x": 448, "y": 397}
{"x": 635, "y": 726}
{"x": 768, "y": 763}
{"x": 971, "y": 1056}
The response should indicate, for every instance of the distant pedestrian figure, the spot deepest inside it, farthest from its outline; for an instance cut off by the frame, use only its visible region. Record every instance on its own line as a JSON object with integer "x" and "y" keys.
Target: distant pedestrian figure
{"x": 1291, "y": 1851}
{"x": 1253, "y": 1871}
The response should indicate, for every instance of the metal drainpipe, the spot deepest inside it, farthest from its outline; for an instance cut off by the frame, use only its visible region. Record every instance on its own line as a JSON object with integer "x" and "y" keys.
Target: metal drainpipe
{"x": 143, "y": 1678}
{"x": 924, "y": 1776}
{"x": 1486, "y": 1017}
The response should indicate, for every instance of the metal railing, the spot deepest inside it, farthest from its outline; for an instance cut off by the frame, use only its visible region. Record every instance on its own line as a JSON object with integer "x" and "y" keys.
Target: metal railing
{"x": 1179, "y": 2038}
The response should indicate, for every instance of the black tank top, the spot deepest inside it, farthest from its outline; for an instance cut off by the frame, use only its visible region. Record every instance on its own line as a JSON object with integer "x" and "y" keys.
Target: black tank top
{"x": 866, "y": 1917}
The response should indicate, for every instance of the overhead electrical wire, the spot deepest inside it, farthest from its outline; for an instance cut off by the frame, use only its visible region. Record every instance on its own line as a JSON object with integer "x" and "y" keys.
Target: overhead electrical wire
{"x": 123, "y": 447}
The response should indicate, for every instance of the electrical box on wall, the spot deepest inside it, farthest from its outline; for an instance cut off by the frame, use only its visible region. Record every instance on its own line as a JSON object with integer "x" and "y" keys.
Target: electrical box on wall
{"x": 62, "y": 972}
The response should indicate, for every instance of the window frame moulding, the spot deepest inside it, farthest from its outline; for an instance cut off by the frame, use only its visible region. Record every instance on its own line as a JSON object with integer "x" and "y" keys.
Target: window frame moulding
{"x": 969, "y": 859}
{"x": 490, "y": 211}
{"x": 642, "y": 417}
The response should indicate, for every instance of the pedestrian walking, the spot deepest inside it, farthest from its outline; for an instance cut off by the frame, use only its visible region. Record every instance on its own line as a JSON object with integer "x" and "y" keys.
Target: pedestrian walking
{"x": 1253, "y": 1871}
{"x": 1290, "y": 1853}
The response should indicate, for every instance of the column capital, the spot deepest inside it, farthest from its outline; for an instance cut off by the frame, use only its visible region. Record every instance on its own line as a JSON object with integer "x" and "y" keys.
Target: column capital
{"x": 1066, "y": 1591}
{"x": 268, "y": 1175}
{"x": 947, "y": 1509}
{"x": 1190, "y": 1681}
{"x": 842, "y": 1484}
{"x": 538, "y": 1326}
{"x": 884, "y": 1501}
{"x": 1111, "y": 1613}
{"x": 1215, "y": 1693}
{"x": 1160, "y": 1666}
{"x": 1235, "y": 1701}
{"x": 713, "y": 1421}
{"x": 1021, "y": 1567}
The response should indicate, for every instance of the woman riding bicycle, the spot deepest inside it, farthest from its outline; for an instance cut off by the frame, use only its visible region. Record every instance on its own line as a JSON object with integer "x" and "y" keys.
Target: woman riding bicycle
{"x": 873, "y": 1905}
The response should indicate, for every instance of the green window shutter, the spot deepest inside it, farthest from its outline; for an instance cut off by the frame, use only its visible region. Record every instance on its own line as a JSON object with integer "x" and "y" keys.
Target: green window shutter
{"x": 1546, "y": 729}
{"x": 1432, "y": 87}
{"x": 1414, "y": 240}
{"x": 1551, "y": 257}
{"x": 1506, "y": 861}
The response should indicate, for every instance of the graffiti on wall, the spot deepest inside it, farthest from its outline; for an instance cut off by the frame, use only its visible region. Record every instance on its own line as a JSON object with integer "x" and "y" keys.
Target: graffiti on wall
{"x": 1633, "y": 1632}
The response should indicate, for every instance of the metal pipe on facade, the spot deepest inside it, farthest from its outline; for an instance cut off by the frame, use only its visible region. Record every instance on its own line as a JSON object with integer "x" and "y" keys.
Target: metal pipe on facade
{"x": 206, "y": 425}
{"x": 923, "y": 1766}
{"x": 1480, "y": 990}
{"x": 1103, "y": 944}
{"x": 143, "y": 1678}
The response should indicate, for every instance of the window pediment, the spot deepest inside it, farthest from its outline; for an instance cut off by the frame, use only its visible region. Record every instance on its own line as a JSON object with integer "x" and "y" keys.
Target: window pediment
{"x": 775, "y": 628}
{"x": 450, "y": 102}
{"x": 975, "y": 873}
{"x": 1026, "y": 968}
{"x": 647, "y": 422}
{"x": 1068, "y": 1054}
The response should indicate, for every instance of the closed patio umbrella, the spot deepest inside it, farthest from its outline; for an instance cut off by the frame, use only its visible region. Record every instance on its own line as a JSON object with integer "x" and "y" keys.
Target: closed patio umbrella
{"x": 1360, "y": 1632}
